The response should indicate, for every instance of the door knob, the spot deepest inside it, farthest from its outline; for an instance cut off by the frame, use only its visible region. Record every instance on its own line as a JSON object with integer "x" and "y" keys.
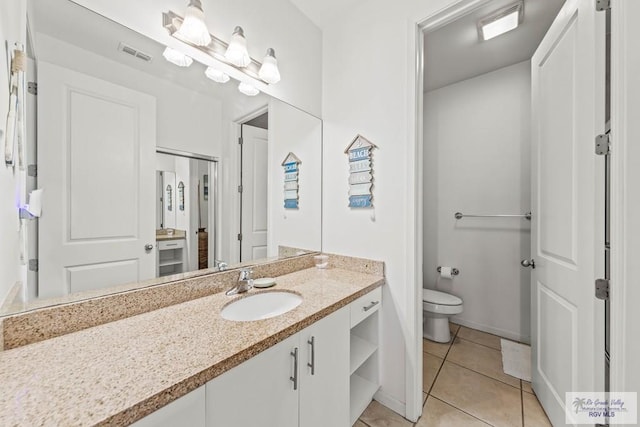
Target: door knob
{"x": 148, "y": 247}
{"x": 528, "y": 263}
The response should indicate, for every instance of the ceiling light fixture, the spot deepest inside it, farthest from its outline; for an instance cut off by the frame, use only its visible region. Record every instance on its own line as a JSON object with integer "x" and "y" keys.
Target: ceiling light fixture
{"x": 234, "y": 53}
{"x": 269, "y": 71}
{"x": 176, "y": 57}
{"x": 237, "y": 53}
{"x": 193, "y": 28}
{"x": 501, "y": 21}
{"x": 216, "y": 75}
{"x": 248, "y": 89}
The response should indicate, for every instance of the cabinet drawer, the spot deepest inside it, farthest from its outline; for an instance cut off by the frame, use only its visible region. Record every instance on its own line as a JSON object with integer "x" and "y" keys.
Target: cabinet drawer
{"x": 171, "y": 244}
{"x": 366, "y": 305}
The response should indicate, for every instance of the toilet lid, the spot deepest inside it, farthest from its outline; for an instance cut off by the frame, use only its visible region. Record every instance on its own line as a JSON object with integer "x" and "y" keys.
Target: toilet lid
{"x": 437, "y": 297}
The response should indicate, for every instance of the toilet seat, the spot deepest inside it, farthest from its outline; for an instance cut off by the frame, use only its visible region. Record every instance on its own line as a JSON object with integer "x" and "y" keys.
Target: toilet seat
{"x": 440, "y": 302}
{"x": 441, "y": 298}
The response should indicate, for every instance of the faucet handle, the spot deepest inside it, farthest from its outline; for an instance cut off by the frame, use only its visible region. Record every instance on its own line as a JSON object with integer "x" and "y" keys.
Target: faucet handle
{"x": 245, "y": 274}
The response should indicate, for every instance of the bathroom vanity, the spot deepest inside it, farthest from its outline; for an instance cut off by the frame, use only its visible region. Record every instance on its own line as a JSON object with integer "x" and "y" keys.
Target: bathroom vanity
{"x": 315, "y": 365}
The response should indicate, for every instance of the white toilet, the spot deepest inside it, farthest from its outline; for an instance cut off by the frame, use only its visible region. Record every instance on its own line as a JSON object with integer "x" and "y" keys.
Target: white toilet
{"x": 437, "y": 307}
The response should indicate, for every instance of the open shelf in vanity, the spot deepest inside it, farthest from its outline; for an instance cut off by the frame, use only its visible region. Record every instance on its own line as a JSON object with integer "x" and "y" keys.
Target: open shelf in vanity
{"x": 364, "y": 359}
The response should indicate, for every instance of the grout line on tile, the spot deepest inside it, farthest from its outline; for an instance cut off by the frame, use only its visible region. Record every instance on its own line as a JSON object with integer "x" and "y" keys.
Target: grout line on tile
{"x": 461, "y": 410}
{"x": 484, "y": 375}
{"x": 477, "y": 343}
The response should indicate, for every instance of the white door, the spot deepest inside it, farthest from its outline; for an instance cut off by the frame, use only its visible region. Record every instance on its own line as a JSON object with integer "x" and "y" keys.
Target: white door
{"x": 568, "y": 208}
{"x": 324, "y": 371}
{"x": 254, "y": 193}
{"x": 259, "y": 392}
{"x": 96, "y": 144}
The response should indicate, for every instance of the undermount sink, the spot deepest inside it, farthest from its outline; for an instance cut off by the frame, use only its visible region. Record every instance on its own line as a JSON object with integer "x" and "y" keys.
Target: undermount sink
{"x": 261, "y": 306}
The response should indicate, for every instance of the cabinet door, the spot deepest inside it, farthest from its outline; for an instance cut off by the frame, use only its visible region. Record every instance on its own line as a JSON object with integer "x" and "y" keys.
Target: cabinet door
{"x": 188, "y": 410}
{"x": 324, "y": 393}
{"x": 259, "y": 392}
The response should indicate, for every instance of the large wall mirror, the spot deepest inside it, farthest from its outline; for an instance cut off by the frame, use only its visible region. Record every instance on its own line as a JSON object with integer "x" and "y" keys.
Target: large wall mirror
{"x": 143, "y": 174}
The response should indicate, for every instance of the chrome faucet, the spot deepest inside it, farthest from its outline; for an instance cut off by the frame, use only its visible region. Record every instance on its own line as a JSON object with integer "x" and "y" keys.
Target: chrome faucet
{"x": 245, "y": 282}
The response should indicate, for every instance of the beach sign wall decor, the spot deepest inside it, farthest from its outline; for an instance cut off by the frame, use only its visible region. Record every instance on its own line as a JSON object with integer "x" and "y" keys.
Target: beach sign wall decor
{"x": 360, "y": 172}
{"x": 291, "y": 166}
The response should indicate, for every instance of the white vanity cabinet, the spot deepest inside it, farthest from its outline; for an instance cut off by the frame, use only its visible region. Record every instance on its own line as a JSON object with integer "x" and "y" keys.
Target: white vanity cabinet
{"x": 278, "y": 387}
{"x": 324, "y": 372}
{"x": 188, "y": 410}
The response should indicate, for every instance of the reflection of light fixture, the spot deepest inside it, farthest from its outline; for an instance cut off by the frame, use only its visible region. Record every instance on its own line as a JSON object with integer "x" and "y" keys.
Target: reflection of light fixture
{"x": 193, "y": 27}
{"x": 248, "y": 89}
{"x": 176, "y": 57}
{"x": 233, "y": 53}
{"x": 269, "y": 71}
{"x": 216, "y": 75}
{"x": 501, "y": 21}
{"x": 237, "y": 52}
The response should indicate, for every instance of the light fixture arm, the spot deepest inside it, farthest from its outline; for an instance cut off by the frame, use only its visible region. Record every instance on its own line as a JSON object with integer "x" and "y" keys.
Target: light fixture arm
{"x": 216, "y": 49}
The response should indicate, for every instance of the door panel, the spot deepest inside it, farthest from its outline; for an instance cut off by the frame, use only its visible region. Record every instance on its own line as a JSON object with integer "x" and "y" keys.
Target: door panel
{"x": 568, "y": 207}
{"x": 96, "y": 165}
{"x": 254, "y": 193}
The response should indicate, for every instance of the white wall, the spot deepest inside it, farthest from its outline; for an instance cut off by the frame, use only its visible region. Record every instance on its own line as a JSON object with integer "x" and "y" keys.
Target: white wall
{"x": 276, "y": 23}
{"x": 477, "y": 160}
{"x": 13, "y": 15}
{"x": 369, "y": 62}
{"x": 200, "y": 125}
{"x": 292, "y": 130}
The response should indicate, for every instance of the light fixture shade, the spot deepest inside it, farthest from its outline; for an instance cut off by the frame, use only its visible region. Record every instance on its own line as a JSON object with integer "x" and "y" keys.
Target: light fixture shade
{"x": 248, "y": 89}
{"x": 269, "y": 71}
{"x": 216, "y": 75}
{"x": 176, "y": 57}
{"x": 501, "y": 21}
{"x": 193, "y": 27}
{"x": 237, "y": 53}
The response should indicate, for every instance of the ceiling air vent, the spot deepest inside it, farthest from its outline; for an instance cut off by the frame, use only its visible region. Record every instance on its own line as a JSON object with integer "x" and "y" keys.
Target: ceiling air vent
{"x": 134, "y": 52}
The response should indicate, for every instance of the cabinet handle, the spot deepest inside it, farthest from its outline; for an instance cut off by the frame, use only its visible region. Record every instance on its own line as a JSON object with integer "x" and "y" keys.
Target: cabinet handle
{"x": 370, "y": 306}
{"x": 312, "y": 365}
{"x": 294, "y": 378}
{"x": 171, "y": 244}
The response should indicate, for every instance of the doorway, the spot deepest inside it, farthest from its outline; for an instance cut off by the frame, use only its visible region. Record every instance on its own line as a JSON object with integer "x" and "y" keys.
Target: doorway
{"x": 253, "y": 188}
{"x": 544, "y": 298}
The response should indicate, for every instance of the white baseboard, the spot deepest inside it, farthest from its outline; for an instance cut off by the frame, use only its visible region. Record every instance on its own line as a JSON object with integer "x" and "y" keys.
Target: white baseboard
{"x": 391, "y": 403}
{"x": 526, "y": 339}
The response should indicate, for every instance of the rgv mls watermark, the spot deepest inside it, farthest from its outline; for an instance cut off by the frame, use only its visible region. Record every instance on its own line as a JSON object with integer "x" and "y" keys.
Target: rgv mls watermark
{"x": 601, "y": 408}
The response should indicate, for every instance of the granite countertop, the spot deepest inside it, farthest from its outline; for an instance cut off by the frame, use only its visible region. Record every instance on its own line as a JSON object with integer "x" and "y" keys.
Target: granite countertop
{"x": 119, "y": 372}
{"x": 161, "y": 235}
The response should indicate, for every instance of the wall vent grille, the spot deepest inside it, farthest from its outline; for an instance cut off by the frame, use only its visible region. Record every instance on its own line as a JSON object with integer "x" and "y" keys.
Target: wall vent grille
{"x": 134, "y": 52}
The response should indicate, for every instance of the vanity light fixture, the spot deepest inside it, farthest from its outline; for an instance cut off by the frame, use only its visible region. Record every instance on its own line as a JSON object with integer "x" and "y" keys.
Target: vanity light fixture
{"x": 269, "y": 71}
{"x": 501, "y": 21}
{"x": 193, "y": 27}
{"x": 237, "y": 53}
{"x": 233, "y": 53}
{"x": 216, "y": 75}
{"x": 248, "y": 89}
{"x": 176, "y": 57}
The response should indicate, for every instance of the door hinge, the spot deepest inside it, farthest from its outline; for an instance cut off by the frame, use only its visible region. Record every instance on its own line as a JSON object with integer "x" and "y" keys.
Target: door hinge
{"x": 32, "y": 88}
{"x": 240, "y": 188}
{"x": 603, "y": 144}
{"x": 33, "y": 265}
{"x": 602, "y": 5}
{"x": 32, "y": 170}
{"x": 240, "y": 236}
{"x": 602, "y": 289}
{"x": 240, "y": 140}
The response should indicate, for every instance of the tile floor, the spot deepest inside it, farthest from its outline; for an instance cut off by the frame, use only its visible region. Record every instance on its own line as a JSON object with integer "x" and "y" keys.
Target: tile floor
{"x": 464, "y": 385}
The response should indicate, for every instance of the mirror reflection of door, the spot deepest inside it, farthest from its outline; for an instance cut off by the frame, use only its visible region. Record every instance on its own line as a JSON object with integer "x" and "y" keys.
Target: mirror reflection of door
{"x": 185, "y": 232}
{"x": 254, "y": 179}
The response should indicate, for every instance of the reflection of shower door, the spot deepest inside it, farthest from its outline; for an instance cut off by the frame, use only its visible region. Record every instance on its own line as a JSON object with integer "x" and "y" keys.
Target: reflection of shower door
{"x": 253, "y": 243}
{"x": 96, "y": 166}
{"x": 567, "y": 233}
